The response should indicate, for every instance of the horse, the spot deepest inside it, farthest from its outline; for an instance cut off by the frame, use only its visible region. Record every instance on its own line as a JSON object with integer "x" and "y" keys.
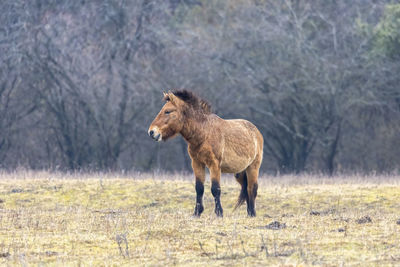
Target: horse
{"x": 227, "y": 146}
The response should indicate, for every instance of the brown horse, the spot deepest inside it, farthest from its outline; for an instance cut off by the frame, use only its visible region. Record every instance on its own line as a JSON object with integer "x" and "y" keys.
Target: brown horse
{"x": 228, "y": 146}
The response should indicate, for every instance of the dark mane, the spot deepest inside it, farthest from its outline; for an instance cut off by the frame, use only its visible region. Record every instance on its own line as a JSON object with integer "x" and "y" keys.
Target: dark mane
{"x": 196, "y": 102}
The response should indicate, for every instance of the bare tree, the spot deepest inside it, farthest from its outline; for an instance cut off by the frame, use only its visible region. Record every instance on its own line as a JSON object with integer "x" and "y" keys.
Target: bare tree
{"x": 80, "y": 81}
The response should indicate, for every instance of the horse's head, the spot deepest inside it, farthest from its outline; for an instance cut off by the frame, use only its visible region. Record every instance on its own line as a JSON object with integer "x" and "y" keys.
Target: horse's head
{"x": 170, "y": 119}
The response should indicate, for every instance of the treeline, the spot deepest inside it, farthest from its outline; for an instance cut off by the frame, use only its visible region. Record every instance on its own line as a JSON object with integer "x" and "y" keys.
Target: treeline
{"x": 80, "y": 81}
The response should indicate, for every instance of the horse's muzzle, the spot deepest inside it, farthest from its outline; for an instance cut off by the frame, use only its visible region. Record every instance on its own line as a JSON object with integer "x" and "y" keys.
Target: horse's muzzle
{"x": 153, "y": 133}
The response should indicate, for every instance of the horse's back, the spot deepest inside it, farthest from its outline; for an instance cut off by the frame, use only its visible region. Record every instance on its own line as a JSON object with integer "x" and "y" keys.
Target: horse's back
{"x": 243, "y": 144}
{"x": 244, "y": 130}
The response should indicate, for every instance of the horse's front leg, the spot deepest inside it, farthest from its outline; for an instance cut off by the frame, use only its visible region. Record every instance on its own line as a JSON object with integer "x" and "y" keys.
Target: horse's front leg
{"x": 215, "y": 174}
{"x": 199, "y": 172}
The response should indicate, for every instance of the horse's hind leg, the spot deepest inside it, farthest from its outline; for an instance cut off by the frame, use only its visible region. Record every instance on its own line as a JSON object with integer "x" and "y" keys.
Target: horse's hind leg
{"x": 252, "y": 186}
{"x": 241, "y": 178}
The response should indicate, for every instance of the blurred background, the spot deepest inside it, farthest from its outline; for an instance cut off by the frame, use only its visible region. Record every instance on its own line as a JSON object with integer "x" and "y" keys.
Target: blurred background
{"x": 81, "y": 81}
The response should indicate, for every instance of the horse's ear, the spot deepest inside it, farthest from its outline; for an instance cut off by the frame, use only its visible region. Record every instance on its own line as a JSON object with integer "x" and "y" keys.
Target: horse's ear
{"x": 166, "y": 96}
{"x": 171, "y": 97}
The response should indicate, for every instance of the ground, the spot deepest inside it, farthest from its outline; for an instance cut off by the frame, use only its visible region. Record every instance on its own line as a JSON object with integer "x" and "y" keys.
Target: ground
{"x": 139, "y": 219}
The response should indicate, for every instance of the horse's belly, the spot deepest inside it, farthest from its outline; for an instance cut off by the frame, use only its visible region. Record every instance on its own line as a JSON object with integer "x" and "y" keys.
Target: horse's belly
{"x": 234, "y": 164}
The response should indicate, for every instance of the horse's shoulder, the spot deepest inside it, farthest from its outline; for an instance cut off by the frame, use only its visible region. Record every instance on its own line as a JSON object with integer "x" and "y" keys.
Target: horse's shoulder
{"x": 205, "y": 153}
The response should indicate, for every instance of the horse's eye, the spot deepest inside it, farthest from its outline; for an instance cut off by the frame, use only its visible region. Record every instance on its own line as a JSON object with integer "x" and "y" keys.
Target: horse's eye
{"x": 167, "y": 112}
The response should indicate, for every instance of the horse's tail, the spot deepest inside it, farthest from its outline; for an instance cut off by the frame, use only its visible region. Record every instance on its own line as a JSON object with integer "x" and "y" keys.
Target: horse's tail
{"x": 242, "y": 179}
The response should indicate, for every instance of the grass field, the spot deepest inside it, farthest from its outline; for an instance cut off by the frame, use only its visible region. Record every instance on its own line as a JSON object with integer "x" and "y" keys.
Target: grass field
{"x": 106, "y": 219}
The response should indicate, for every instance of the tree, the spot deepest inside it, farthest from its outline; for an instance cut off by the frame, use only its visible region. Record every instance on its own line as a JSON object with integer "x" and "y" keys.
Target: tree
{"x": 386, "y": 33}
{"x": 82, "y": 80}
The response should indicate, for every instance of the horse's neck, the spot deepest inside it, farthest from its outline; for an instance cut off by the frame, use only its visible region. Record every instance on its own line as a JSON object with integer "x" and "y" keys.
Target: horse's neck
{"x": 193, "y": 131}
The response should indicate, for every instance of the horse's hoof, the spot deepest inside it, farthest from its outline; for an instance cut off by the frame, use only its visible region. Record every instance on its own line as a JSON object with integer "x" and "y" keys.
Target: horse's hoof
{"x": 219, "y": 213}
{"x": 251, "y": 214}
{"x": 198, "y": 211}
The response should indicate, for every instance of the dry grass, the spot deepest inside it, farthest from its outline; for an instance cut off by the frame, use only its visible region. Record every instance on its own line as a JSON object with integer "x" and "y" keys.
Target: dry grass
{"x": 89, "y": 219}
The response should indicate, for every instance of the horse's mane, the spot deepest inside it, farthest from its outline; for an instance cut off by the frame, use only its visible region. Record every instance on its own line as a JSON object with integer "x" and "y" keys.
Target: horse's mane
{"x": 193, "y": 100}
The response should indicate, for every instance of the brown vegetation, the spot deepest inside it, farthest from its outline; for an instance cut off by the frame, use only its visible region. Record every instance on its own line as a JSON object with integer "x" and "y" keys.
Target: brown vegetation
{"x": 142, "y": 219}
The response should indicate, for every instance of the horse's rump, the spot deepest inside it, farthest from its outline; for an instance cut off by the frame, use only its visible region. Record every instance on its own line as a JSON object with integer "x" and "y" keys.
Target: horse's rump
{"x": 241, "y": 145}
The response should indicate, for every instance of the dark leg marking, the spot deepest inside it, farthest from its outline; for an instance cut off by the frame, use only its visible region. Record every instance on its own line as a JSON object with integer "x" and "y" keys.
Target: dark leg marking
{"x": 216, "y": 192}
{"x": 251, "y": 211}
{"x": 243, "y": 196}
{"x": 199, "y": 198}
{"x": 255, "y": 188}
